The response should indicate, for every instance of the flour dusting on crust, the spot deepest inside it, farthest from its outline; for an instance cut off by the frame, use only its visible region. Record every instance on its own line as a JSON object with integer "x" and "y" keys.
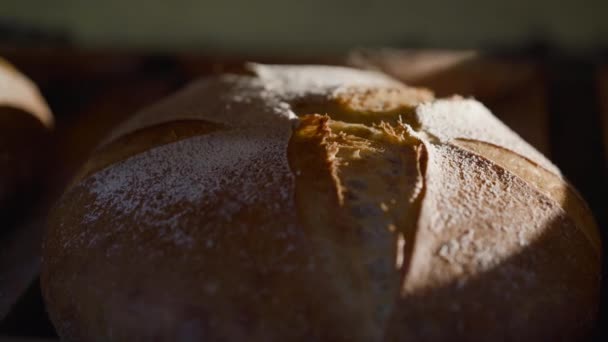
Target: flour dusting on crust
{"x": 217, "y": 216}
{"x": 475, "y": 215}
{"x": 449, "y": 119}
{"x": 145, "y": 187}
{"x": 489, "y": 242}
{"x": 289, "y": 82}
{"x": 261, "y": 100}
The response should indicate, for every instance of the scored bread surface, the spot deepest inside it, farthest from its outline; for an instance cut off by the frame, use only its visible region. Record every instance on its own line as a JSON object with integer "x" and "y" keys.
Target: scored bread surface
{"x": 319, "y": 203}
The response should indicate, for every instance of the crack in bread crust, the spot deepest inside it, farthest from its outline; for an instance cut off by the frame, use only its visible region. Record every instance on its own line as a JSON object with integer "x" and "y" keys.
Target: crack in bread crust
{"x": 354, "y": 187}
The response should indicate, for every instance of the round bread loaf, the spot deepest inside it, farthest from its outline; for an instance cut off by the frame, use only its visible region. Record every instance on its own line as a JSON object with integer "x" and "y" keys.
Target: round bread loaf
{"x": 311, "y": 203}
{"x": 25, "y": 122}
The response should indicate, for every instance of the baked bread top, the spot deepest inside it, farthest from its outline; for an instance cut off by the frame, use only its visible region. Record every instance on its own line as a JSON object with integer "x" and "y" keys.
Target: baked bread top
{"x": 312, "y": 202}
{"x": 25, "y": 125}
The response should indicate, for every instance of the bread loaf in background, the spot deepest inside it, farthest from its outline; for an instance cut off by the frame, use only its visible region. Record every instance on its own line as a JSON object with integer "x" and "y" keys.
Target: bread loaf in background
{"x": 25, "y": 125}
{"x": 312, "y": 203}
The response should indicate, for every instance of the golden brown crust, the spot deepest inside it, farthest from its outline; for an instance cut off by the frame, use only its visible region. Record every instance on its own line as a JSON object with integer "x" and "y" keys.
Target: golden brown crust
{"x": 376, "y": 220}
{"x": 480, "y": 255}
{"x": 546, "y": 182}
{"x": 189, "y": 300}
{"x": 143, "y": 140}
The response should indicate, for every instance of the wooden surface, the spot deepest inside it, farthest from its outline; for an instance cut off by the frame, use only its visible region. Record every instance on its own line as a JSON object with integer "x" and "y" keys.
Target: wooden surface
{"x": 559, "y": 105}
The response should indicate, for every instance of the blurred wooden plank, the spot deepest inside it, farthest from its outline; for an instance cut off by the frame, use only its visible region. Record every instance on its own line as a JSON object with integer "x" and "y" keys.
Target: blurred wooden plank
{"x": 513, "y": 88}
{"x": 467, "y": 72}
{"x": 45, "y": 65}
